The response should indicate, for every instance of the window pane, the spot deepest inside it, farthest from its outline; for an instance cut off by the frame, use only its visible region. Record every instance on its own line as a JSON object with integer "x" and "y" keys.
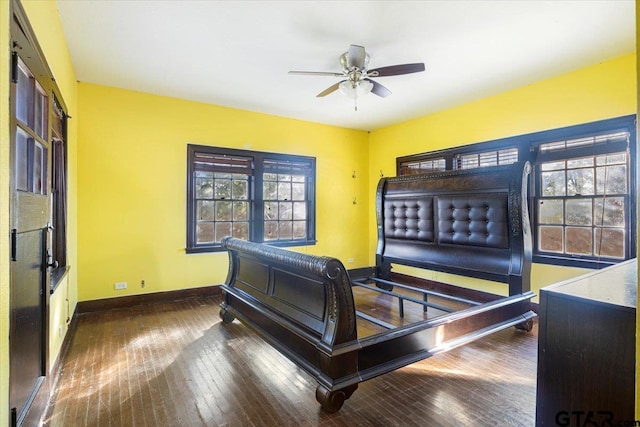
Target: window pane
{"x": 240, "y": 211}
{"x": 611, "y": 159}
{"x": 204, "y": 188}
{"x": 270, "y": 210}
{"x": 299, "y": 210}
{"x": 468, "y": 161}
{"x": 39, "y": 168}
{"x": 586, "y": 141}
{"x": 24, "y": 94}
{"x": 222, "y": 187}
{"x": 488, "y": 159}
{"x": 551, "y": 212}
{"x": 613, "y": 211}
{"x": 22, "y": 160}
{"x": 240, "y": 189}
{"x": 612, "y": 242}
{"x": 284, "y": 190}
{"x": 285, "y": 211}
{"x": 223, "y": 229}
{"x": 579, "y": 163}
{"x": 299, "y": 229}
{"x": 41, "y": 114}
{"x": 580, "y": 182}
{"x": 205, "y": 210}
{"x": 298, "y": 191}
{"x": 285, "y": 230}
{"x": 507, "y": 156}
{"x": 579, "y": 240}
{"x": 551, "y": 166}
{"x": 553, "y": 184}
{"x": 270, "y": 230}
{"x": 204, "y": 232}
{"x": 551, "y": 239}
{"x": 241, "y": 230}
{"x": 223, "y": 212}
{"x": 422, "y": 166}
{"x": 578, "y": 212}
{"x": 270, "y": 190}
{"x": 613, "y": 179}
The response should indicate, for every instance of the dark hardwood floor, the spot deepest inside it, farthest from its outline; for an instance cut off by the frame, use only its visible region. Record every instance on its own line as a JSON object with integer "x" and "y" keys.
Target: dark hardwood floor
{"x": 177, "y": 365}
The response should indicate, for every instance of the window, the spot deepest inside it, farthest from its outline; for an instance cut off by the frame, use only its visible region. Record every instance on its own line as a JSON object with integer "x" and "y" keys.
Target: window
{"x": 486, "y": 158}
{"x": 413, "y": 167}
{"x": 59, "y": 186}
{"x": 491, "y": 153}
{"x": 581, "y": 188}
{"x": 31, "y": 135}
{"x": 582, "y": 197}
{"x": 250, "y": 195}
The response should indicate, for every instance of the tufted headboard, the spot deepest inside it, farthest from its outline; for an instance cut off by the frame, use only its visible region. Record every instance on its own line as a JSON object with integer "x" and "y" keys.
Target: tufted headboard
{"x": 471, "y": 222}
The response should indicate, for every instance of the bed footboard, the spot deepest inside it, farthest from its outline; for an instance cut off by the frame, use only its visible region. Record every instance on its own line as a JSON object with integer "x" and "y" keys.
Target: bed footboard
{"x": 302, "y": 305}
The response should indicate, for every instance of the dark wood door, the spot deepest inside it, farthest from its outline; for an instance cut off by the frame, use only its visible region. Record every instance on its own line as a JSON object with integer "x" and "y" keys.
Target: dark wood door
{"x": 30, "y": 217}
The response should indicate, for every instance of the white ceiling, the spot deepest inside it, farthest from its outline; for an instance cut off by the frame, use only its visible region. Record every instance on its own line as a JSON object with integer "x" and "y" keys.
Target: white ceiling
{"x": 237, "y": 53}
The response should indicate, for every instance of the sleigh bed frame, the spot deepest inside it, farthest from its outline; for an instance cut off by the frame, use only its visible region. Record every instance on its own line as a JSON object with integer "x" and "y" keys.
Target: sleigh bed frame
{"x": 471, "y": 222}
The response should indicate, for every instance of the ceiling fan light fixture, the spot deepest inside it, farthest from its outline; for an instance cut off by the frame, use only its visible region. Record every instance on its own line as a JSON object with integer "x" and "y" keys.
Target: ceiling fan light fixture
{"x": 355, "y": 89}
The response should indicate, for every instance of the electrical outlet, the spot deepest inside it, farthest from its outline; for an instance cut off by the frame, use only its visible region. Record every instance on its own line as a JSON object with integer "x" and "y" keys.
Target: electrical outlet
{"x": 350, "y": 260}
{"x": 142, "y": 283}
{"x": 121, "y": 285}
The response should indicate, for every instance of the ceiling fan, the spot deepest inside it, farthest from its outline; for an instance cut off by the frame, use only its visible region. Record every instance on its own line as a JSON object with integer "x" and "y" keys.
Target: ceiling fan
{"x": 357, "y": 77}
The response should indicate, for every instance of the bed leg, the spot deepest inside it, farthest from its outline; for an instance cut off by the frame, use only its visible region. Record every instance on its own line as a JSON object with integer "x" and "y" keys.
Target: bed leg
{"x": 331, "y": 401}
{"x": 226, "y": 316}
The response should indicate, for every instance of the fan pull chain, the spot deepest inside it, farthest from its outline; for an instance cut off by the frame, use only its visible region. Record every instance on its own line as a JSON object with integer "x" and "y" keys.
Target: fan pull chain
{"x": 355, "y": 100}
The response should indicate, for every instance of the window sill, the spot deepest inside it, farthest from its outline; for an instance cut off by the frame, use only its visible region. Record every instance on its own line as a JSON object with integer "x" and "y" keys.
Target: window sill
{"x": 575, "y": 262}
{"x": 218, "y": 248}
{"x": 56, "y": 277}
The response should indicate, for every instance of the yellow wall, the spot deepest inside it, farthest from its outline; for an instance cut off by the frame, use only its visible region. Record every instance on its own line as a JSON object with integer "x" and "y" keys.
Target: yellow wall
{"x": 132, "y": 187}
{"x": 593, "y": 93}
{"x": 4, "y": 211}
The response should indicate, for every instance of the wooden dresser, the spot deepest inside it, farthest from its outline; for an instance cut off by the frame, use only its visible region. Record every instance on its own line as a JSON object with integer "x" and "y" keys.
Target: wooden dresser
{"x": 586, "y": 348}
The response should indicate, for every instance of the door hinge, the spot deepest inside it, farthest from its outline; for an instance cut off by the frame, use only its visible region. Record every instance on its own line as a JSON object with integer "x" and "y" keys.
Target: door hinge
{"x": 14, "y": 244}
{"x": 14, "y": 67}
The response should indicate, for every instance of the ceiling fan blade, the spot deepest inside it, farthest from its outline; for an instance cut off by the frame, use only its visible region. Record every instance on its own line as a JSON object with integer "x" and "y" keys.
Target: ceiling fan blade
{"x": 356, "y": 56}
{"x": 329, "y": 90}
{"x": 378, "y": 89}
{"x": 396, "y": 70}
{"x": 317, "y": 73}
